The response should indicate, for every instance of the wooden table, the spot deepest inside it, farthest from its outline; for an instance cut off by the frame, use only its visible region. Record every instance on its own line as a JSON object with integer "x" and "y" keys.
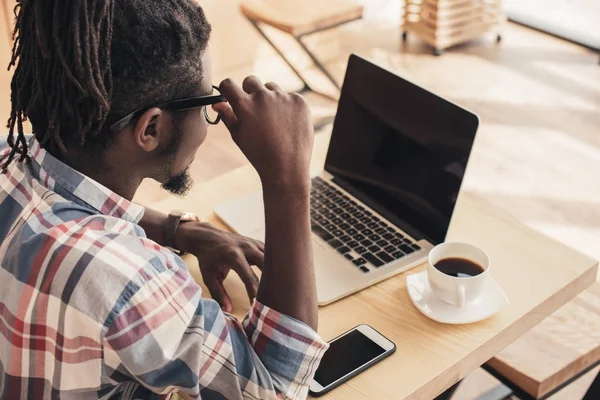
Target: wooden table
{"x": 538, "y": 274}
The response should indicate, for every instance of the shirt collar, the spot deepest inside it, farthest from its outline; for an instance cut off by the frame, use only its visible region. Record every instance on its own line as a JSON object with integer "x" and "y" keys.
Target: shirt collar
{"x": 79, "y": 188}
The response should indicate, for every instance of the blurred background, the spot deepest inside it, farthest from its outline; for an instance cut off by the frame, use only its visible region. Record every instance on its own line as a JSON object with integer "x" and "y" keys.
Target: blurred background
{"x": 534, "y": 81}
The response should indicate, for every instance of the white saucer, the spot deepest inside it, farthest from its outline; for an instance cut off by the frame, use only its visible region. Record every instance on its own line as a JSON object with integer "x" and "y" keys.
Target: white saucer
{"x": 493, "y": 300}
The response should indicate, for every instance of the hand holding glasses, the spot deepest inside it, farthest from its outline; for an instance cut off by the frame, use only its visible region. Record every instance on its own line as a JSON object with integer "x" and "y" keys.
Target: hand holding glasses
{"x": 176, "y": 105}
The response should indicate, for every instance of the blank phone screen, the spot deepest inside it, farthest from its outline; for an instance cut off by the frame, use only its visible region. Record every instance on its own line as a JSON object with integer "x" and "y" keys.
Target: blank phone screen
{"x": 345, "y": 355}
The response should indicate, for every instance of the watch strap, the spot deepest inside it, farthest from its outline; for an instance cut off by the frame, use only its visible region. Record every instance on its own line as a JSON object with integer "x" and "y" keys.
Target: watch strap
{"x": 171, "y": 228}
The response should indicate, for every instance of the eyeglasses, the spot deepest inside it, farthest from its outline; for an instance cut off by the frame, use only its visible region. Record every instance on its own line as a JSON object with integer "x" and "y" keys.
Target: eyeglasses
{"x": 176, "y": 105}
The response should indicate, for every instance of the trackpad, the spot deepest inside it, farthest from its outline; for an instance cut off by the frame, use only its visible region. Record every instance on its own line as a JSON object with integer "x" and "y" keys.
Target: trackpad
{"x": 245, "y": 215}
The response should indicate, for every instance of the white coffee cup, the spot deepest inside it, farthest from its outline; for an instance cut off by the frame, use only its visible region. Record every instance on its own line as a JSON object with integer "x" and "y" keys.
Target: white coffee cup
{"x": 457, "y": 290}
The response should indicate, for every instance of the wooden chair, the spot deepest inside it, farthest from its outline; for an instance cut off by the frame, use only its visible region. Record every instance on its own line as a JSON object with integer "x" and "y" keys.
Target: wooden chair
{"x": 555, "y": 353}
{"x": 300, "y": 19}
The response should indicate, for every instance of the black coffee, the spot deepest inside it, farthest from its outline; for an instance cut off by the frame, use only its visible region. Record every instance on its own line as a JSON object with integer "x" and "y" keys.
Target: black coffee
{"x": 459, "y": 267}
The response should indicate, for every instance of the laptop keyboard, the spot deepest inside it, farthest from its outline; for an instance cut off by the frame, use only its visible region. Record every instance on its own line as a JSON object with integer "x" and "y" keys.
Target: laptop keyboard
{"x": 353, "y": 231}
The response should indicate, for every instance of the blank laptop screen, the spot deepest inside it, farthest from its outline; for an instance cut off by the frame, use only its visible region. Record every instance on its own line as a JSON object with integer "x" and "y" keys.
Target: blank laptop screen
{"x": 400, "y": 149}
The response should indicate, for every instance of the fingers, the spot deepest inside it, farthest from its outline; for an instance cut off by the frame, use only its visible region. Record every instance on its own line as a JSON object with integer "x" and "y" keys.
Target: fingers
{"x": 273, "y": 86}
{"x": 233, "y": 93}
{"x": 254, "y": 256}
{"x": 227, "y": 115}
{"x": 259, "y": 245}
{"x": 218, "y": 292}
{"x": 242, "y": 267}
{"x": 252, "y": 84}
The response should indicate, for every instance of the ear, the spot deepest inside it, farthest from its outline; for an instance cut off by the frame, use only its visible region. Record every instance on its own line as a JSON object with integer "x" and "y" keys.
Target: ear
{"x": 148, "y": 132}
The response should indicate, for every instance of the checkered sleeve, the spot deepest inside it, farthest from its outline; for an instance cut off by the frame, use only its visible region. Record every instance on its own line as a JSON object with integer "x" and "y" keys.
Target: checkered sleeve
{"x": 167, "y": 338}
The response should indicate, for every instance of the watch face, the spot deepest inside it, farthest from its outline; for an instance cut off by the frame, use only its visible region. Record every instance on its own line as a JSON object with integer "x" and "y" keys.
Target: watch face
{"x": 188, "y": 216}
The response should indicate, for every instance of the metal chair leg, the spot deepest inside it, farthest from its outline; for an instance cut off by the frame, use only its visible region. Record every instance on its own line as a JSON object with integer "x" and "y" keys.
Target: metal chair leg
{"x": 296, "y": 72}
{"x": 500, "y": 392}
{"x": 447, "y": 395}
{"x": 306, "y": 86}
{"x": 593, "y": 393}
{"x": 317, "y": 63}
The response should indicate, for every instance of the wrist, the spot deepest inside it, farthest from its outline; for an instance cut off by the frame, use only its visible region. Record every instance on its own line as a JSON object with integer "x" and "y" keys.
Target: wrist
{"x": 297, "y": 187}
{"x": 179, "y": 228}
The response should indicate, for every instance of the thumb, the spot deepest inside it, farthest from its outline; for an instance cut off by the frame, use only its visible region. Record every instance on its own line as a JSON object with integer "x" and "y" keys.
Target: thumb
{"x": 227, "y": 115}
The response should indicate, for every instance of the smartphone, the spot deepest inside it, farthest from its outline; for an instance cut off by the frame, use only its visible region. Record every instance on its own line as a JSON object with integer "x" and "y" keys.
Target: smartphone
{"x": 348, "y": 355}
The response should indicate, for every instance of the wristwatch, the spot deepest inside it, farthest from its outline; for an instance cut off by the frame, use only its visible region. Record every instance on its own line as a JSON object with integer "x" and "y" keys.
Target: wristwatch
{"x": 175, "y": 218}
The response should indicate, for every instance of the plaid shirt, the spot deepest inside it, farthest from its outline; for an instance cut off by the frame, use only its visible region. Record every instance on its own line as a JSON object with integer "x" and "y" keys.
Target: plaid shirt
{"x": 91, "y": 308}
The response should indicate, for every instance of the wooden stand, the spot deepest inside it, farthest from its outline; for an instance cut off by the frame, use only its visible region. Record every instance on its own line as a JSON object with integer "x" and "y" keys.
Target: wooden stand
{"x": 445, "y": 23}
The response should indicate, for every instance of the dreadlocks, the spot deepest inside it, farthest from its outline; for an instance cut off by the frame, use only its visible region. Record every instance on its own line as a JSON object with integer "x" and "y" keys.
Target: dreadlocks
{"x": 81, "y": 64}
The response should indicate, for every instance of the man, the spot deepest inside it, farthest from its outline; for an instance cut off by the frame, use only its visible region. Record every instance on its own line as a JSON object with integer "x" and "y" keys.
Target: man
{"x": 91, "y": 303}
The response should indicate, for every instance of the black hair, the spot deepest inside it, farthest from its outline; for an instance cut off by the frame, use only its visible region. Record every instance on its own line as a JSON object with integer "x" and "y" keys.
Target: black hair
{"x": 83, "y": 64}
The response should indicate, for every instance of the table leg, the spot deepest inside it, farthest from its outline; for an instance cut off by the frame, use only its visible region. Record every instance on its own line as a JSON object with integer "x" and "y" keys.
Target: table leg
{"x": 593, "y": 392}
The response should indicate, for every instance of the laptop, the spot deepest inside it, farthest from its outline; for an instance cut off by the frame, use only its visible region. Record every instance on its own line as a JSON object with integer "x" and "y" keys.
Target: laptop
{"x": 394, "y": 168}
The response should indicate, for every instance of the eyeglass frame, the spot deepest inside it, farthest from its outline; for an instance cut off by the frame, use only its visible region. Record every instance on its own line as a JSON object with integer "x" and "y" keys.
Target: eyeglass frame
{"x": 175, "y": 105}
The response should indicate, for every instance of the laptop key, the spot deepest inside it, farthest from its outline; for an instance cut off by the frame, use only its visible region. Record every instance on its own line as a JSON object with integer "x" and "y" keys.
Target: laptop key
{"x": 317, "y": 217}
{"x": 399, "y": 235}
{"x": 361, "y": 208}
{"x": 382, "y": 243}
{"x": 353, "y": 221}
{"x": 337, "y": 232}
{"x": 346, "y": 216}
{"x": 351, "y": 231}
{"x": 325, "y": 223}
{"x": 366, "y": 232}
{"x": 344, "y": 226}
{"x": 416, "y": 247}
{"x": 360, "y": 261}
{"x": 367, "y": 213}
{"x": 396, "y": 242}
{"x": 353, "y": 244}
{"x": 388, "y": 236}
{"x": 397, "y": 254}
{"x": 373, "y": 225}
{"x": 322, "y": 233}
{"x": 364, "y": 269}
{"x": 343, "y": 249}
{"x": 360, "y": 250}
{"x": 359, "y": 237}
{"x": 374, "y": 248}
{"x": 385, "y": 256}
{"x": 365, "y": 220}
{"x": 349, "y": 256}
{"x": 374, "y": 237}
{"x": 372, "y": 259}
{"x": 366, "y": 243}
{"x": 391, "y": 230}
{"x": 407, "y": 249}
{"x": 335, "y": 243}
{"x": 345, "y": 238}
{"x": 358, "y": 226}
{"x": 337, "y": 221}
{"x": 380, "y": 231}
{"x": 390, "y": 249}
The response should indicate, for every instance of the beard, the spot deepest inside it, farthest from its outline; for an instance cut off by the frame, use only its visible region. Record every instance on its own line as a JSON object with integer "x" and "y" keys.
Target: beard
{"x": 179, "y": 184}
